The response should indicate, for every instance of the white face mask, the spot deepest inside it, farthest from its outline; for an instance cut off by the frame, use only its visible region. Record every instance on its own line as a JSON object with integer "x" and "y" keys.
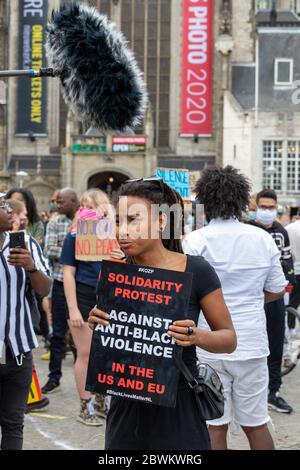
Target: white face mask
{"x": 266, "y": 216}
{"x": 252, "y": 215}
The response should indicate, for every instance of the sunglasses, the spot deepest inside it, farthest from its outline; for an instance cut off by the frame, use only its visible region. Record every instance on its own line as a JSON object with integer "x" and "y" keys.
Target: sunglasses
{"x": 150, "y": 179}
{"x": 4, "y": 206}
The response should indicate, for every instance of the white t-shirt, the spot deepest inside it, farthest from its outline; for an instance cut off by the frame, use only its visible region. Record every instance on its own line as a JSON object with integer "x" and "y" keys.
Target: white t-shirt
{"x": 294, "y": 234}
{"x": 246, "y": 260}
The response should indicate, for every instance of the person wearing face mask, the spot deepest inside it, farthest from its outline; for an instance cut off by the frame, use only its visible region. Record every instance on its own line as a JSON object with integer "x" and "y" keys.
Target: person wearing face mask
{"x": 250, "y": 214}
{"x": 266, "y": 214}
{"x": 252, "y": 208}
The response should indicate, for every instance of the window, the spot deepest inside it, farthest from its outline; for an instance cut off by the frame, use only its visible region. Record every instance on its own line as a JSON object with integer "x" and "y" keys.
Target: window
{"x": 284, "y": 72}
{"x": 147, "y": 27}
{"x": 297, "y": 6}
{"x": 272, "y": 164}
{"x": 263, "y": 5}
{"x": 293, "y": 166}
{"x": 281, "y": 165}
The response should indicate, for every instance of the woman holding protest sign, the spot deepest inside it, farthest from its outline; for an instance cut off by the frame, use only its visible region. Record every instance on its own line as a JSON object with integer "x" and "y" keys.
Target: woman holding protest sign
{"x": 150, "y": 235}
{"x": 80, "y": 280}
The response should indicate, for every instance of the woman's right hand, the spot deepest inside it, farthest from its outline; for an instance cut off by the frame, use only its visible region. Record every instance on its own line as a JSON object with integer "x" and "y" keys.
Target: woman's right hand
{"x": 98, "y": 317}
{"x": 76, "y": 320}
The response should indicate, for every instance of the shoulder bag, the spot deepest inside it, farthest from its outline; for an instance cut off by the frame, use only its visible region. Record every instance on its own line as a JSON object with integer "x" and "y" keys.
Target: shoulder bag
{"x": 207, "y": 387}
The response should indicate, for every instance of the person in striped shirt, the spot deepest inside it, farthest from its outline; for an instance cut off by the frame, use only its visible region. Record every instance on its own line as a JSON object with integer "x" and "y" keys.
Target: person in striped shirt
{"x": 17, "y": 337}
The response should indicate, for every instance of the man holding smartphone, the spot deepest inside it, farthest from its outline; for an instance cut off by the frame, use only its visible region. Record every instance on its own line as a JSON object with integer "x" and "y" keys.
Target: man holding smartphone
{"x": 17, "y": 337}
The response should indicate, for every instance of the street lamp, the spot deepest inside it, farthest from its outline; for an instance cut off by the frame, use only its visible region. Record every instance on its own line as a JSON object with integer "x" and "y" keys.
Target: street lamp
{"x": 271, "y": 170}
{"x": 224, "y": 44}
{"x": 21, "y": 175}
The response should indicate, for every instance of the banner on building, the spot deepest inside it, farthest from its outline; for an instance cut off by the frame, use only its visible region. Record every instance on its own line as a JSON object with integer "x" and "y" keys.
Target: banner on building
{"x": 32, "y": 92}
{"x": 177, "y": 178}
{"x": 133, "y": 357}
{"x": 197, "y": 61}
{"x": 130, "y": 144}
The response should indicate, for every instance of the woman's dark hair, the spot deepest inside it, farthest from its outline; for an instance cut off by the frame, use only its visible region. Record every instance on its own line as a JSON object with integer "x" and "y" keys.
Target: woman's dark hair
{"x": 224, "y": 192}
{"x": 158, "y": 192}
{"x": 268, "y": 193}
{"x": 30, "y": 204}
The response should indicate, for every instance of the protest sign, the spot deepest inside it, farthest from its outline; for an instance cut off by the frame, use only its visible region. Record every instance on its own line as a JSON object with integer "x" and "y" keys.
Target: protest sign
{"x": 133, "y": 357}
{"x": 95, "y": 239}
{"x": 194, "y": 177}
{"x": 177, "y": 178}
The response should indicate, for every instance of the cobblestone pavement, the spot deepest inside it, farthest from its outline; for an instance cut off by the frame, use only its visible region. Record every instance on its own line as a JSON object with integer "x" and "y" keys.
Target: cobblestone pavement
{"x": 56, "y": 427}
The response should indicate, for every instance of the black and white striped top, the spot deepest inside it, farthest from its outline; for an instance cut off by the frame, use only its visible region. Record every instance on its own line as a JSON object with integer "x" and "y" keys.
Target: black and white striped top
{"x": 16, "y": 330}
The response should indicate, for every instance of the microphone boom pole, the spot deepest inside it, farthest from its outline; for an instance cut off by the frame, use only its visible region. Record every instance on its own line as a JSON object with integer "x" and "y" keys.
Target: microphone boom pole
{"x": 31, "y": 73}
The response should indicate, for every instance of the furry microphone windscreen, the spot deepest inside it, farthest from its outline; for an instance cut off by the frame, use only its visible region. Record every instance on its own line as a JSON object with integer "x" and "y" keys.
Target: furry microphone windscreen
{"x": 100, "y": 78}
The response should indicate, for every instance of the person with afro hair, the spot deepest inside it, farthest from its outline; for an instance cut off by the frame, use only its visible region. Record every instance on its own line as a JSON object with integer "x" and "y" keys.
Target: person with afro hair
{"x": 246, "y": 260}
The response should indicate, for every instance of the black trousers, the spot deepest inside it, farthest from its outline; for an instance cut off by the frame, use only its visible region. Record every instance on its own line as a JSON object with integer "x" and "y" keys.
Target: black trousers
{"x": 60, "y": 327}
{"x": 132, "y": 425}
{"x": 44, "y": 327}
{"x": 275, "y": 314}
{"x": 86, "y": 299}
{"x": 14, "y": 389}
{"x": 294, "y": 302}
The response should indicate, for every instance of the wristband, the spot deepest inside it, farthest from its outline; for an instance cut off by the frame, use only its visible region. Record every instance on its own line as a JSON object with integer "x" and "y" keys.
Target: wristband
{"x": 33, "y": 270}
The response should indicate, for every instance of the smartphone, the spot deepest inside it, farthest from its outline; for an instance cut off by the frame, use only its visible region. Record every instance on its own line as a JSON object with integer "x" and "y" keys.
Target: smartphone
{"x": 17, "y": 240}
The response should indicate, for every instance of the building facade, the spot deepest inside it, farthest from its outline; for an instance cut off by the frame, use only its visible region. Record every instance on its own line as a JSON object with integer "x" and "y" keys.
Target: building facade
{"x": 261, "y": 108}
{"x": 57, "y": 152}
{"x": 153, "y": 29}
{"x": 254, "y": 123}
{"x": 32, "y": 155}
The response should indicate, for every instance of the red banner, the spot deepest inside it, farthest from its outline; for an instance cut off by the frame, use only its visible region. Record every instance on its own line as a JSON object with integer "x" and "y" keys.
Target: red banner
{"x": 197, "y": 60}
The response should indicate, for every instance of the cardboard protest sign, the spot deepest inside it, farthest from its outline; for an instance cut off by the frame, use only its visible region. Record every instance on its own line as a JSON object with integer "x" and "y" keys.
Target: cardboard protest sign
{"x": 95, "y": 239}
{"x": 133, "y": 357}
{"x": 194, "y": 177}
{"x": 177, "y": 178}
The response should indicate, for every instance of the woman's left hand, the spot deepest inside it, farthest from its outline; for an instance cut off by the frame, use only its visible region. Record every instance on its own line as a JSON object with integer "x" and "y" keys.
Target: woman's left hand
{"x": 184, "y": 332}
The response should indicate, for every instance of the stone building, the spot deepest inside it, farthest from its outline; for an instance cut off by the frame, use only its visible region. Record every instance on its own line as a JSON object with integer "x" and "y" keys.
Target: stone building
{"x": 58, "y": 153}
{"x": 254, "y": 128}
{"x": 32, "y": 151}
{"x": 153, "y": 29}
{"x": 261, "y": 107}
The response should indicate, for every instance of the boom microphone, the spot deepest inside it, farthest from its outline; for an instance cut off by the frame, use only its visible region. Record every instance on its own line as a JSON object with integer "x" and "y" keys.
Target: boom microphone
{"x": 100, "y": 78}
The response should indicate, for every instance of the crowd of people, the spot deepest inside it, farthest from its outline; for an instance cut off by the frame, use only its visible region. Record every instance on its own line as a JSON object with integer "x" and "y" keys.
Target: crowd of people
{"x": 243, "y": 262}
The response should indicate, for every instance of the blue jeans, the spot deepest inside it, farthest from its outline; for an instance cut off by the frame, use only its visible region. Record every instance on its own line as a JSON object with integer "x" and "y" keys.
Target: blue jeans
{"x": 60, "y": 327}
{"x": 14, "y": 389}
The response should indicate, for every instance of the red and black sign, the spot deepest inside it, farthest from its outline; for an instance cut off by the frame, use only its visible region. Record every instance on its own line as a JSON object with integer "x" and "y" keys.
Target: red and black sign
{"x": 130, "y": 144}
{"x": 133, "y": 357}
